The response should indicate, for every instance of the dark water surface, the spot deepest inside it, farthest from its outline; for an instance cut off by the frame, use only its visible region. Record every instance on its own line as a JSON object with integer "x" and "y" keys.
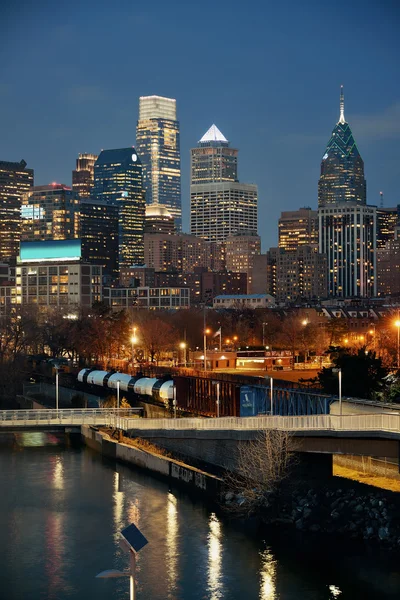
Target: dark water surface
{"x": 62, "y": 508}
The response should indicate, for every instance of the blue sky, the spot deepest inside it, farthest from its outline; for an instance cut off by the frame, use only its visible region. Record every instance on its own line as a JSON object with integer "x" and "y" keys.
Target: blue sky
{"x": 267, "y": 73}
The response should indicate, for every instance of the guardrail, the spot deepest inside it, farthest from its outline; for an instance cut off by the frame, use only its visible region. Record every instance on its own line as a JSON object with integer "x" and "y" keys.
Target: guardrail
{"x": 375, "y": 422}
{"x": 68, "y": 416}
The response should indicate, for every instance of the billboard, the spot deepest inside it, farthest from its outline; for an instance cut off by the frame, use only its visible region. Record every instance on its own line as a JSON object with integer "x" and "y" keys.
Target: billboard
{"x": 57, "y": 250}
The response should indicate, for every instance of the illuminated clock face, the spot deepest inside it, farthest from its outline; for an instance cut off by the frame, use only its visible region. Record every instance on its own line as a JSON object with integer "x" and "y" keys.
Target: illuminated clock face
{"x": 134, "y": 157}
{"x": 325, "y": 156}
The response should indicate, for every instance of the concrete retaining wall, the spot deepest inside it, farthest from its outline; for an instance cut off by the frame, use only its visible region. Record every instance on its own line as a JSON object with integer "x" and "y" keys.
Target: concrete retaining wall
{"x": 171, "y": 469}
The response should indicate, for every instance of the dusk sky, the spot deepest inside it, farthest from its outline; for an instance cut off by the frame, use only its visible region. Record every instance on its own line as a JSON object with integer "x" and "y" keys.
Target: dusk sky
{"x": 266, "y": 73}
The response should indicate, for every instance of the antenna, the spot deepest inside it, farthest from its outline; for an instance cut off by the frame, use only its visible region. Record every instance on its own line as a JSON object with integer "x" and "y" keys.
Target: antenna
{"x": 381, "y": 195}
{"x": 341, "y": 118}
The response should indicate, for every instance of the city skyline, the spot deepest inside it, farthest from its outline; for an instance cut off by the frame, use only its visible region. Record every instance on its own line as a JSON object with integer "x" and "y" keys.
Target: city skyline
{"x": 275, "y": 99}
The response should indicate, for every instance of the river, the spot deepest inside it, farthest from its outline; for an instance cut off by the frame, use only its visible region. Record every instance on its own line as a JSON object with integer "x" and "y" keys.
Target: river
{"x": 62, "y": 508}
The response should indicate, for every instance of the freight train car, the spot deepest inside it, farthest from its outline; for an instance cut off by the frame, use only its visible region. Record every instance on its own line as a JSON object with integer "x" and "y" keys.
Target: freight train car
{"x": 161, "y": 390}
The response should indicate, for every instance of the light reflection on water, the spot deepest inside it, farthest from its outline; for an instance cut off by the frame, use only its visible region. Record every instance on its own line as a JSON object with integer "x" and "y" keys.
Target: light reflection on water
{"x": 61, "y": 513}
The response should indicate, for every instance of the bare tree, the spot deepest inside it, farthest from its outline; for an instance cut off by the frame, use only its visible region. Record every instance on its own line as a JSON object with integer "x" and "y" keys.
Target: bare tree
{"x": 263, "y": 464}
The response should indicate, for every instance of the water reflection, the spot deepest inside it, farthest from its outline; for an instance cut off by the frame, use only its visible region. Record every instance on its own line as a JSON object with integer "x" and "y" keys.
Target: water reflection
{"x": 335, "y": 591}
{"x": 267, "y": 576}
{"x": 58, "y": 474}
{"x": 118, "y": 498}
{"x": 172, "y": 543}
{"x": 214, "y": 558}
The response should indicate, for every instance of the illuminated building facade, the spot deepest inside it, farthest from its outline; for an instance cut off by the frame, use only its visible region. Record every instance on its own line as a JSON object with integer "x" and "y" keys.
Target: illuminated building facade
{"x": 180, "y": 252}
{"x": 99, "y": 235}
{"x": 388, "y": 267}
{"x": 301, "y": 274}
{"x": 52, "y": 274}
{"x": 158, "y": 220}
{"x": 342, "y": 168}
{"x": 50, "y": 212}
{"x": 83, "y": 175}
{"x": 15, "y": 181}
{"x": 158, "y": 146}
{"x": 145, "y": 297}
{"x": 118, "y": 181}
{"x": 347, "y": 227}
{"x": 387, "y": 219}
{"x": 240, "y": 252}
{"x": 298, "y": 228}
{"x": 220, "y": 206}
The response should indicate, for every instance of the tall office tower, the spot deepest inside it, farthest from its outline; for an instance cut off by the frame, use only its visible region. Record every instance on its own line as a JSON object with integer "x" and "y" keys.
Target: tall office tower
{"x": 388, "y": 267}
{"x": 240, "y": 251}
{"x": 83, "y": 176}
{"x": 347, "y": 227}
{"x": 15, "y": 181}
{"x": 50, "y": 212}
{"x": 118, "y": 181}
{"x": 158, "y": 146}
{"x": 301, "y": 274}
{"x": 298, "y": 228}
{"x": 387, "y": 221}
{"x": 264, "y": 272}
{"x": 99, "y": 235}
{"x": 158, "y": 220}
{"x": 179, "y": 252}
{"x": 342, "y": 168}
{"x": 220, "y": 206}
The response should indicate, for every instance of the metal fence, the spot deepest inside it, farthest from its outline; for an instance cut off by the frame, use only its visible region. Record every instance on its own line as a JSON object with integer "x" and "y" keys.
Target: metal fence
{"x": 68, "y": 416}
{"x": 376, "y": 422}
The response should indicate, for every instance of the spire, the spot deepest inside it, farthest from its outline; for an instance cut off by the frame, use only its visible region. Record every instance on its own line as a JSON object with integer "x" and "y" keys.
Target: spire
{"x": 213, "y": 135}
{"x": 341, "y": 118}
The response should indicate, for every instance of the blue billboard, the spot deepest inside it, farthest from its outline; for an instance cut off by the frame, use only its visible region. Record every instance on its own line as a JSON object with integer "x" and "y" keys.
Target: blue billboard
{"x": 253, "y": 400}
{"x": 50, "y": 250}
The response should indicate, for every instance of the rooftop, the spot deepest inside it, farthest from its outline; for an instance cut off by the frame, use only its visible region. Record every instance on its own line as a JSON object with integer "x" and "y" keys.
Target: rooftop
{"x": 213, "y": 135}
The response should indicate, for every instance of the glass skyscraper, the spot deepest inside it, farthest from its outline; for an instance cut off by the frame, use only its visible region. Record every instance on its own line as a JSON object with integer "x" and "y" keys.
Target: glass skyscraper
{"x": 347, "y": 227}
{"x": 342, "y": 168}
{"x": 118, "y": 181}
{"x": 15, "y": 181}
{"x": 158, "y": 146}
{"x": 82, "y": 176}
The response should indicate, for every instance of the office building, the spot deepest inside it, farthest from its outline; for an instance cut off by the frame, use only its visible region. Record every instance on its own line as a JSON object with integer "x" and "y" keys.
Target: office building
{"x": 158, "y": 220}
{"x": 99, "y": 235}
{"x": 145, "y": 297}
{"x": 388, "y": 267}
{"x": 220, "y": 205}
{"x": 179, "y": 252}
{"x": 52, "y": 274}
{"x": 240, "y": 301}
{"x": 15, "y": 181}
{"x": 83, "y": 175}
{"x": 263, "y": 279}
{"x": 301, "y": 274}
{"x": 387, "y": 219}
{"x": 298, "y": 228}
{"x": 240, "y": 252}
{"x": 118, "y": 181}
{"x": 347, "y": 227}
{"x": 50, "y": 212}
{"x": 342, "y": 168}
{"x": 158, "y": 146}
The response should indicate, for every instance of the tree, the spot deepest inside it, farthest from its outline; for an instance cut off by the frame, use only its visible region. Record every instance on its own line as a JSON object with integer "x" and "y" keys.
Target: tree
{"x": 362, "y": 374}
{"x": 263, "y": 465}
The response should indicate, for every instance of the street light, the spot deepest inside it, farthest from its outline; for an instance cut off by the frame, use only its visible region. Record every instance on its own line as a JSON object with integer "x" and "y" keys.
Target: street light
{"x": 117, "y": 393}
{"x": 263, "y": 325}
{"x": 182, "y": 345}
{"x": 133, "y": 340}
{"x": 272, "y": 395}
{"x": 133, "y": 541}
{"x": 339, "y": 372}
{"x": 206, "y": 331}
{"x": 397, "y": 324}
{"x": 57, "y": 390}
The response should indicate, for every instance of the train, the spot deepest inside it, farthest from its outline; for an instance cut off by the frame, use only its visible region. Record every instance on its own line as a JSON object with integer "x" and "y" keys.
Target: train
{"x": 161, "y": 390}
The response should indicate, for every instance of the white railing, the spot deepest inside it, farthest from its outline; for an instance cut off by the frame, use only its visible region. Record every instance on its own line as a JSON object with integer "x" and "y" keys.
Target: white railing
{"x": 373, "y": 422}
{"x": 68, "y": 416}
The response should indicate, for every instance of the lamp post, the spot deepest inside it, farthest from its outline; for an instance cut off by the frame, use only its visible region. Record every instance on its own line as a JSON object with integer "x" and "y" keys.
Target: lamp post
{"x": 182, "y": 345}
{"x": 217, "y": 386}
{"x": 263, "y": 337}
{"x": 397, "y": 324}
{"x": 117, "y": 393}
{"x": 339, "y": 372}
{"x": 133, "y": 340}
{"x": 272, "y": 395}
{"x": 205, "y": 348}
{"x": 57, "y": 391}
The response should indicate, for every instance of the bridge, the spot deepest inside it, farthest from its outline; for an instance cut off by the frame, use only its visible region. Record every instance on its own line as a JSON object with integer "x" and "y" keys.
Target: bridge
{"x": 45, "y": 418}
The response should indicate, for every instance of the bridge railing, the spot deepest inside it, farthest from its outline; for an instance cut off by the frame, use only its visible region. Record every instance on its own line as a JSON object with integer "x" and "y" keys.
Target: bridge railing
{"x": 364, "y": 422}
{"x": 78, "y": 416}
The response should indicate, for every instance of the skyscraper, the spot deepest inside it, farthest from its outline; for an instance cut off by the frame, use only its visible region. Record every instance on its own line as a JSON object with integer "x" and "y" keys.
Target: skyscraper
{"x": 158, "y": 147}
{"x": 50, "y": 212}
{"x": 99, "y": 235}
{"x": 347, "y": 227}
{"x": 220, "y": 205}
{"x": 118, "y": 181}
{"x": 83, "y": 176}
{"x": 15, "y": 181}
{"x": 298, "y": 228}
{"x": 342, "y": 168}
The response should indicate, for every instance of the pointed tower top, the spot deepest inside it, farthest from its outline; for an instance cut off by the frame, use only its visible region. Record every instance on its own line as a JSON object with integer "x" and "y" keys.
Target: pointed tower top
{"x": 213, "y": 135}
{"x": 341, "y": 118}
